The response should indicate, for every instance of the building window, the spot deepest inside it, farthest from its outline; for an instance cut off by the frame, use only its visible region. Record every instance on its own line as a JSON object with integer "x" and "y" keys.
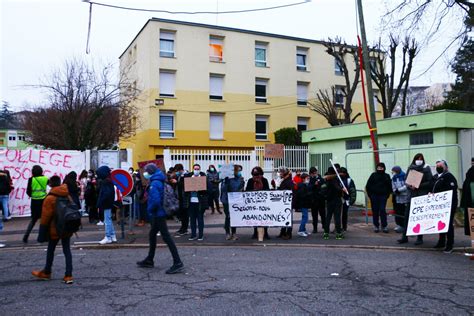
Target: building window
{"x": 216, "y": 45}
{"x": 21, "y": 138}
{"x": 376, "y": 103}
{"x": 261, "y": 127}
{"x": 338, "y": 70}
{"x": 302, "y": 93}
{"x": 421, "y": 138}
{"x": 167, "y": 82}
{"x": 260, "y": 54}
{"x": 12, "y": 138}
{"x": 166, "y": 44}
{"x": 216, "y": 83}
{"x": 261, "y": 90}
{"x": 353, "y": 144}
{"x": 216, "y": 126}
{"x": 302, "y": 124}
{"x": 301, "y": 54}
{"x": 339, "y": 96}
{"x": 166, "y": 124}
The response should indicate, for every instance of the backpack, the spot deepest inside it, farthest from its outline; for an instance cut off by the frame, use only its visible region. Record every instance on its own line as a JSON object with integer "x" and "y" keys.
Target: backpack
{"x": 68, "y": 216}
{"x": 352, "y": 191}
{"x": 170, "y": 200}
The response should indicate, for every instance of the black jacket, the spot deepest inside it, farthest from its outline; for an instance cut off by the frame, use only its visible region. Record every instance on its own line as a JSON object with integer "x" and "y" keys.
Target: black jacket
{"x": 445, "y": 182}
{"x": 249, "y": 186}
{"x": 315, "y": 184}
{"x": 466, "y": 198}
{"x": 426, "y": 182}
{"x": 334, "y": 190}
{"x": 202, "y": 195}
{"x": 379, "y": 184}
{"x": 303, "y": 196}
{"x": 5, "y": 182}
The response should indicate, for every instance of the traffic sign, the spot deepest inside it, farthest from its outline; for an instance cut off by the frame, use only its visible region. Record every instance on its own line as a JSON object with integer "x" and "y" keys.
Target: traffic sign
{"x": 123, "y": 180}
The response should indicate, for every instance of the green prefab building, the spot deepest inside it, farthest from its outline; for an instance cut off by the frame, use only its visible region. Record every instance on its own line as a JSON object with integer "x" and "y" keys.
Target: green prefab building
{"x": 437, "y": 135}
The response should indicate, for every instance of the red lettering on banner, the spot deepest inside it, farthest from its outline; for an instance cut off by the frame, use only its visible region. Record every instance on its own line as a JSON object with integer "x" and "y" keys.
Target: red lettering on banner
{"x": 9, "y": 157}
{"x": 22, "y": 156}
{"x": 19, "y": 193}
{"x": 26, "y": 174}
{"x": 56, "y": 162}
{"x": 41, "y": 156}
{"x": 66, "y": 161}
{"x": 31, "y": 158}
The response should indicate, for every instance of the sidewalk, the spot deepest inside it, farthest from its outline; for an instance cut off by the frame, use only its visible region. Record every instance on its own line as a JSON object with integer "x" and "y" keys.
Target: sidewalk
{"x": 359, "y": 235}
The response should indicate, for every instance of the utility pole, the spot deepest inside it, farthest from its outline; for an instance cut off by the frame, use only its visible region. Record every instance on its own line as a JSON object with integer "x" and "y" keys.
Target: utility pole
{"x": 365, "y": 55}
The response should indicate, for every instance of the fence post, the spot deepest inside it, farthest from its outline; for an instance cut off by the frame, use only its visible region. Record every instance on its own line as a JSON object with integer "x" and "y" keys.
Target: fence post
{"x": 253, "y": 158}
{"x": 167, "y": 158}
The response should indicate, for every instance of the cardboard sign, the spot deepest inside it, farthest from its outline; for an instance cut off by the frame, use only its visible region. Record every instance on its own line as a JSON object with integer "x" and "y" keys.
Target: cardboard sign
{"x": 414, "y": 178}
{"x": 193, "y": 184}
{"x": 275, "y": 151}
{"x": 260, "y": 208}
{"x": 430, "y": 214}
{"x": 470, "y": 212}
{"x": 226, "y": 171}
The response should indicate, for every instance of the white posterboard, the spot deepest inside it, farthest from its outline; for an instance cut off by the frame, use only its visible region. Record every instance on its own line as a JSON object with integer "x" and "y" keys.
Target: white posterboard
{"x": 109, "y": 158}
{"x": 260, "y": 208}
{"x": 430, "y": 214}
{"x": 226, "y": 171}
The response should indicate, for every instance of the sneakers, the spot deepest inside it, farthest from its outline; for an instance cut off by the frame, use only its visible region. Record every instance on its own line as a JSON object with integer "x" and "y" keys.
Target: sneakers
{"x": 228, "y": 237}
{"x": 145, "y": 263}
{"x": 202, "y": 238}
{"x": 302, "y": 234}
{"x": 106, "y": 240}
{"x": 68, "y": 279}
{"x": 235, "y": 237}
{"x": 376, "y": 230}
{"x": 339, "y": 236}
{"x": 2, "y": 245}
{"x": 448, "y": 249}
{"x": 175, "y": 268}
{"x": 158, "y": 234}
{"x": 100, "y": 223}
{"x": 114, "y": 238}
{"x": 326, "y": 236}
{"x": 180, "y": 233}
{"x": 398, "y": 229}
{"x": 385, "y": 230}
{"x": 192, "y": 238}
{"x": 402, "y": 240}
{"x": 41, "y": 275}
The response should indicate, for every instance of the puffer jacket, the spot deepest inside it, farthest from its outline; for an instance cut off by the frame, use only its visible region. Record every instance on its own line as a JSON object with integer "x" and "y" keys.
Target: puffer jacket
{"x": 426, "y": 182}
{"x": 156, "y": 194}
{"x": 398, "y": 183}
{"x": 213, "y": 181}
{"x": 235, "y": 184}
{"x": 48, "y": 212}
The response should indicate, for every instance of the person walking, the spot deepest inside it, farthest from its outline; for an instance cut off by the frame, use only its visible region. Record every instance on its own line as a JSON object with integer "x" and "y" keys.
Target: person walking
{"x": 418, "y": 164}
{"x": 467, "y": 197}
{"x": 348, "y": 198}
{"x": 334, "y": 203}
{"x": 445, "y": 181}
{"x": 49, "y": 233}
{"x": 303, "y": 203}
{"x": 400, "y": 197}
{"x": 318, "y": 200}
{"x": 158, "y": 220}
{"x": 213, "y": 189}
{"x": 258, "y": 183}
{"x": 286, "y": 184}
{"x": 196, "y": 202}
{"x": 105, "y": 202}
{"x": 5, "y": 188}
{"x": 234, "y": 184}
{"x": 379, "y": 188}
{"x": 36, "y": 190}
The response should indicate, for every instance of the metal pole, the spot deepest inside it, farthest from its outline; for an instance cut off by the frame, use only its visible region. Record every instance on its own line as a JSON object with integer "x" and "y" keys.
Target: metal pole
{"x": 365, "y": 55}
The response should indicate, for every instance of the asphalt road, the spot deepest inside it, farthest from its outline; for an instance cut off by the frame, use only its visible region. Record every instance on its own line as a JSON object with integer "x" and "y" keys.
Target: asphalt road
{"x": 241, "y": 281}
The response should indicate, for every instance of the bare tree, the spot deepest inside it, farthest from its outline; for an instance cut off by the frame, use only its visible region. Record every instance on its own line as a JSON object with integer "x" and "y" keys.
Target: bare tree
{"x": 85, "y": 109}
{"x": 325, "y": 105}
{"x": 390, "y": 92}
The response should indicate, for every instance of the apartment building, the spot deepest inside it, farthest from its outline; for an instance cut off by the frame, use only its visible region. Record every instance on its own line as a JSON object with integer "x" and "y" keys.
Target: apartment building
{"x": 213, "y": 87}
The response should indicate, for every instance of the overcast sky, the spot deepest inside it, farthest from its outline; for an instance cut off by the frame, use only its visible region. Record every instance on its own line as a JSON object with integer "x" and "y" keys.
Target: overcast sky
{"x": 39, "y": 35}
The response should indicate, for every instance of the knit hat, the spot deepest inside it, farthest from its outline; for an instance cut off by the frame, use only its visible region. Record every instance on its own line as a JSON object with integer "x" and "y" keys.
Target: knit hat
{"x": 397, "y": 169}
{"x": 151, "y": 168}
{"x": 103, "y": 172}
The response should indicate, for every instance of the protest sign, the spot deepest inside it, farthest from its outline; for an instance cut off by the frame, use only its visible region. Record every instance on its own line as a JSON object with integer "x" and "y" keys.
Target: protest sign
{"x": 226, "y": 171}
{"x": 275, "y": 151}
{"x": 414, "y": 178}
{"x": 429, "y": 214}
{"x": 471, "y": 224}
{"x": 260, "y": 208}
{"x": 193, "y": 184}
{"x": 20, "y": 162}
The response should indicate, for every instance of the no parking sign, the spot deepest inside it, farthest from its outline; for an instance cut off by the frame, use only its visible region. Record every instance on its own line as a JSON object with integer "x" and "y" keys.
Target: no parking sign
{"x": 123, "y": 180}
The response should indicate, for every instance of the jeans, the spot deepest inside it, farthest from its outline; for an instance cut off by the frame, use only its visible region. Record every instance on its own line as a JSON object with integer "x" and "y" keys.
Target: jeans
{"x": 318, "y": 206}
{"x": 379, "y": 202}
{"x": 109, "y": 225}
{"x": 214, "y": 200}
{"x": 196, "y": 215}
{"x": 334, "y": 207}
{"x": 345, "y": 214}
{"x": 36, "y": 207}
{"x": 304, "y": 220}
{"x": 158, "y": 224}
{"x": 67, "y": 255}
{"x": 4, "y": 201}
{"x": 227, "y": 227}
{"x": 184, "y": 218}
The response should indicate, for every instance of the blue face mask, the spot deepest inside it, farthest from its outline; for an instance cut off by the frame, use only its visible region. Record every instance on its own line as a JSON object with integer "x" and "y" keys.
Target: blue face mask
{"x": 239, "y": 174}
{"x": 146, "y": 175}
{"x": 178, "y": 173}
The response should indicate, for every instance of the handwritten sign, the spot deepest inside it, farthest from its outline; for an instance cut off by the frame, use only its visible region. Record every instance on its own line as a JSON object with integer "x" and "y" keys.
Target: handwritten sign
{"x": 20, "y": 162}
{"x": 414, "y": 178}
{"x": 260, "y": 208}
{"x": 193, "y": 184}
{"x": 429, "y": 214}
{"x": 471, "y": 224}
{"x": 275, "y": 151}
{"x": 226, "y": 171}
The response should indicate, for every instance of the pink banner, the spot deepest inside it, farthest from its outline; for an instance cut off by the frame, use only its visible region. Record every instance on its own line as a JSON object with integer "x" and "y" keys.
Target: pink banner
{"x": 20, "y": 162}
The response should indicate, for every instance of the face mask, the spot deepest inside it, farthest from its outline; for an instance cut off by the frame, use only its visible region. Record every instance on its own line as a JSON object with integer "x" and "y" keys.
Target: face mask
{"x": 212, "y": 169}
{"x": 418, "y": 162}
{"x": 439, "y": 170}
{"x": 178, "y": 173}
{"x": 89, "y": 174}
{"x": 197, "y": 172}
{"x": 380, "y": 170}
{"x": 146, "y": 175}
{"x": 278, "y": 175}
{"x": 239, "y": 174}
{"x": 306, "y": 181}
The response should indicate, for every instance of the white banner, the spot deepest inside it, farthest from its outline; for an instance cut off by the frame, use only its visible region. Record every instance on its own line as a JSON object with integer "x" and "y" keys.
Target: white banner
{"x": 260, "y": 208}
{"x": 429, "y": 214}
{"x": 20, "y": 162}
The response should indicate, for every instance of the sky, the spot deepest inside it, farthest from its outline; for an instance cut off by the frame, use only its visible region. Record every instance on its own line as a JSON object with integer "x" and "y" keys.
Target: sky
{"x": 38, "y": 36}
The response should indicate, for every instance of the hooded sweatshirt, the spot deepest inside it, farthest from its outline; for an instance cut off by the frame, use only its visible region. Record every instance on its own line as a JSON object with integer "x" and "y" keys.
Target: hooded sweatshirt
{"x": 106, "y": 197}
{"x": 155, "y": 195}
{"x": 49, "y": 210}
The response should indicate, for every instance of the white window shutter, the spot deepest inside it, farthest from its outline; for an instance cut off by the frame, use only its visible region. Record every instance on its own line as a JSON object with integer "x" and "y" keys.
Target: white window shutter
{"x": 302, "y": 92}
{"x": 216, "y": 128}
{"x": 216, "y": 84}
{"x": 167, "y": 82}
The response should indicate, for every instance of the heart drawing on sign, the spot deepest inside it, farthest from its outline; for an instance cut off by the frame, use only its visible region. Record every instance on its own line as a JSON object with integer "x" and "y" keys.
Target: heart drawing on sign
{"x": 441, "y": 225}
{"x": 417, "y": 228}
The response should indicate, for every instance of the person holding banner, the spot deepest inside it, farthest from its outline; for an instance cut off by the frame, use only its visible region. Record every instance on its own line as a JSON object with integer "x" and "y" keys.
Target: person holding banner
{"x": 258, "y": 183}
{"x": 424, "y": 186}
{"x": 234, "y": 184}
{"x": 36, "y": 190}
{"x": 445, "y": 181}
{"x": 196, "y": 202}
